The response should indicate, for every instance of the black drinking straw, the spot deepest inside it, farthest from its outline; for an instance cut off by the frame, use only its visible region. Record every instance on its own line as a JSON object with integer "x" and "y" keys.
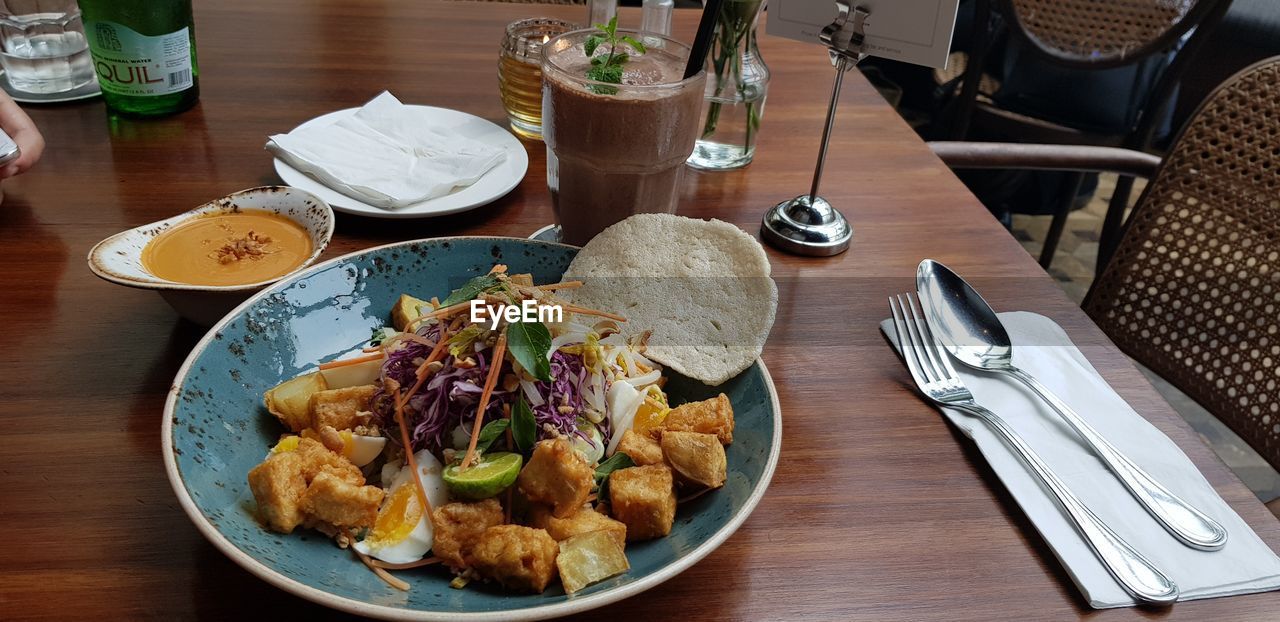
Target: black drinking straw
{"x": 702, "y": 41}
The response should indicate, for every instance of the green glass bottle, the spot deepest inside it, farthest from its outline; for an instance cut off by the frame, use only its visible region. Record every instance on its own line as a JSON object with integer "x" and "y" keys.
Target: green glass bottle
{"x": 144, "y": 52}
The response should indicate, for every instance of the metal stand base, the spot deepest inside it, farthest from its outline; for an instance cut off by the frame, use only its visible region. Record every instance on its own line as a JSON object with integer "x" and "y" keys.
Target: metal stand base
{"x": 807, "y": 227}
{"x": 808, "y": 224}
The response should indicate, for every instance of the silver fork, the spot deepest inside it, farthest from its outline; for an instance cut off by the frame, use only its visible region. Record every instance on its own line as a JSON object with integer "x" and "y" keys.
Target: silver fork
{"x": 937, "y": 380}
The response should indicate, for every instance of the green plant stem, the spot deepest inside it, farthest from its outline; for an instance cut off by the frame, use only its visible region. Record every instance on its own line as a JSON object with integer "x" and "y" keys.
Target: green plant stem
{"x": 735, "y": 24}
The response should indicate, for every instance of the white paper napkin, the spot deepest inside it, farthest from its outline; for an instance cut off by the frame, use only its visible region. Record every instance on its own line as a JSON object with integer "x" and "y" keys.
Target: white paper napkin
{"x": 1245, "y": 565}
{"x": 384, "y": 155}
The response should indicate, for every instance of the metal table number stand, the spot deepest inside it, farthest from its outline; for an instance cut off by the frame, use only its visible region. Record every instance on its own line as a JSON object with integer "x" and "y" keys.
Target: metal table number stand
{"x": 808, "y": 224}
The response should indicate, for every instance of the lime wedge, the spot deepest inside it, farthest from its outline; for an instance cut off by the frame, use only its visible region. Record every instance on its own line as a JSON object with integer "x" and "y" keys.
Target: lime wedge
{"x": 490, "y": 475}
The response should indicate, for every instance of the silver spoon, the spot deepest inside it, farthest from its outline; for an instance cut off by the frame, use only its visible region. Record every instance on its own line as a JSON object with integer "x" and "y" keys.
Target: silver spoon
{"x": 970, "y": 330}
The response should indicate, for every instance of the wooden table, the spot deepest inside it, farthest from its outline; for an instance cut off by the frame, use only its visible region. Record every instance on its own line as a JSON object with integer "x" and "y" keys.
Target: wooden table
{"x": 878, "y": 509}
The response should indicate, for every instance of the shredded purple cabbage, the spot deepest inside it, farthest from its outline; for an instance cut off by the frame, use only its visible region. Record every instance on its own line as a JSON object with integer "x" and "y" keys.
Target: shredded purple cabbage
{"x": 568, "y": 374}
{"x": 450, "y": 397}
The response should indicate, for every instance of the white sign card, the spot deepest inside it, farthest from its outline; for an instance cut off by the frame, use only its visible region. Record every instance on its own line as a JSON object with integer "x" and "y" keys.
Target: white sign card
{"x": 912, "y": 31}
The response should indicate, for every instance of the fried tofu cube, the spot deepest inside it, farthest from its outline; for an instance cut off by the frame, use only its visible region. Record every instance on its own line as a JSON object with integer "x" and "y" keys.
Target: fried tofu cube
{"x": 524, "y": 279}
{"x": 642, "y": 448}
{"x": 697, "y": 459}
{"x": 341, "y": 408}
{"x": 407, "y": 309}
{"x": 458, "y": 526}
{"x": 644, "y": 499}
{"x": 315, "y": 459}
{"x": 713, "y": 416}
{"x": 589, "y": 558}
{"x": 519, "y": 558}
{"x": 585, "y": 520}
{"x": 290, "y": 401}
{"x": 278, "y": 485}
{"x": 557, "y": 476}
{"x": 340, "y": 503}
{"x": 281, "y": 481}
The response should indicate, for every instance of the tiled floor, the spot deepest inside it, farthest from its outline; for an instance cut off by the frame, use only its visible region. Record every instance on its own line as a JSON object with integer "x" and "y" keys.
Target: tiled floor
{"x": 1073, "y": 269}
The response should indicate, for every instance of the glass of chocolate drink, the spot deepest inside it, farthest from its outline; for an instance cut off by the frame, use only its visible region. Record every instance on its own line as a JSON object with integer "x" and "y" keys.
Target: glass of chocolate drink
{"x": 614, "y": 150}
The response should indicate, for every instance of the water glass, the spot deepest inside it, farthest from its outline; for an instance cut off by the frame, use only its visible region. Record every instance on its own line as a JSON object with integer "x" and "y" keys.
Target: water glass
{"x": 42, "y": 46}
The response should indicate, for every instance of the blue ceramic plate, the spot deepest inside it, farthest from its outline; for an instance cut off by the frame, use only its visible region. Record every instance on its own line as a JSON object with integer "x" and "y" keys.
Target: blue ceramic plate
{"x": 216, "y": 429}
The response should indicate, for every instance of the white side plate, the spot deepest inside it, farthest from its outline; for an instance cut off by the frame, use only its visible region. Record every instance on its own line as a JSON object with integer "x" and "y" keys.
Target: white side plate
{"x": 489, "y": 188}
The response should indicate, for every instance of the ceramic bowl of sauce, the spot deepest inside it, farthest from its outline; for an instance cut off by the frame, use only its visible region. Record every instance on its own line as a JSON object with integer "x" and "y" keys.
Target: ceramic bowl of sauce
{"x": 206, "y": 261}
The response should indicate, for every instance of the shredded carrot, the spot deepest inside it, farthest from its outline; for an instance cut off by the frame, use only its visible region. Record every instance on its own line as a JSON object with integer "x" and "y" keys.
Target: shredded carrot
{"x": 591, "y": 497}
{"x": 438, "y": 313}
{"x": 413, "y": 463}
{"x": 436, "y": 354}
{"x": 407, "y": 565}
{"x": 495, "y": 370}
{"x": 563, "y": 285}
{"x": 585, "y": 311}
{"x": 382, "y": 574}
{"x": 351, "y": 361}
{"x": 415, "y": 337}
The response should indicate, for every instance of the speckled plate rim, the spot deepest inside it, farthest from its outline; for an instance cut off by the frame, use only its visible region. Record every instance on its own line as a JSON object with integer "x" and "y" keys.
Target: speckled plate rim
{"x": 348, "y": 605}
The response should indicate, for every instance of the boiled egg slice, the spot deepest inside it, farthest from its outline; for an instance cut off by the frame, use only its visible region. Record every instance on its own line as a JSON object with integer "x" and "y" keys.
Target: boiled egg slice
{"x": 624, "y": 401}
{"x": 361, "y": 450}
{"x": 402, "y": 532}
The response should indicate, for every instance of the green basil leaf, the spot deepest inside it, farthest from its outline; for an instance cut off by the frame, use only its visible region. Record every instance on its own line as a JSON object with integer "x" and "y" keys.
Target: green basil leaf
{"x": 470, "y": 289}
{"x": 615, "y": 462}
{"x": 491, "y": 432}
{"x": 524, "y": 428}
{"x": 636, "y": 45}
{"x": 530, "y": 344}
{"x": 612, "y": 28}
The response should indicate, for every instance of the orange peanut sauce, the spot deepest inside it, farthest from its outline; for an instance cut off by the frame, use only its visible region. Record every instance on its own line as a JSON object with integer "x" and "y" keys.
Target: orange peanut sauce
{"x": 228, "y": 249}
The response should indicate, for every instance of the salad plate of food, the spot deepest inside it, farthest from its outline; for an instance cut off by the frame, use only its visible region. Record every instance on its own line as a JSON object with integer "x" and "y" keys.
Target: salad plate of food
{"x": 375, "y": 434}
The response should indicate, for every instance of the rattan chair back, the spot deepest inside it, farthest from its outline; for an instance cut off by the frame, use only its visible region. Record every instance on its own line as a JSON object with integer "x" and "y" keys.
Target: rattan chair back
{"x": 1101, "y": 33}
{"x": 1193, "y": 290}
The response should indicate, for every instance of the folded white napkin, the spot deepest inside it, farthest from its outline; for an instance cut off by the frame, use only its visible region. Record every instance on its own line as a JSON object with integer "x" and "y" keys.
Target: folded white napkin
{"x": 384, "y": 155}
{"x": 1245, "y": 565}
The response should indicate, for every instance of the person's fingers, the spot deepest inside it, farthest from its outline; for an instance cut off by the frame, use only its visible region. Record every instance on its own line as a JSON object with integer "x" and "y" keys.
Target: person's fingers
{"x": 31, "y": 142}
{"x": 19, "y": 126}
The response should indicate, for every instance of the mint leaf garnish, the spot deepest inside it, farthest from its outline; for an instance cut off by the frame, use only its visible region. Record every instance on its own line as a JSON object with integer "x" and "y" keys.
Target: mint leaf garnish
{"x": 608, "y": 67}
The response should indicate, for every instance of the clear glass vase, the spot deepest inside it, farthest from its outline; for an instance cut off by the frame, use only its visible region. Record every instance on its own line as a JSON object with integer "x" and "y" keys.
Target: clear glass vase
{"x": 737, "y": 82}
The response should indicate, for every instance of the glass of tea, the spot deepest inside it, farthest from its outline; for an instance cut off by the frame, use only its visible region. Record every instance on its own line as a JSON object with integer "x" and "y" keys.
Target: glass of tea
{"x": 520, "y": 72}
